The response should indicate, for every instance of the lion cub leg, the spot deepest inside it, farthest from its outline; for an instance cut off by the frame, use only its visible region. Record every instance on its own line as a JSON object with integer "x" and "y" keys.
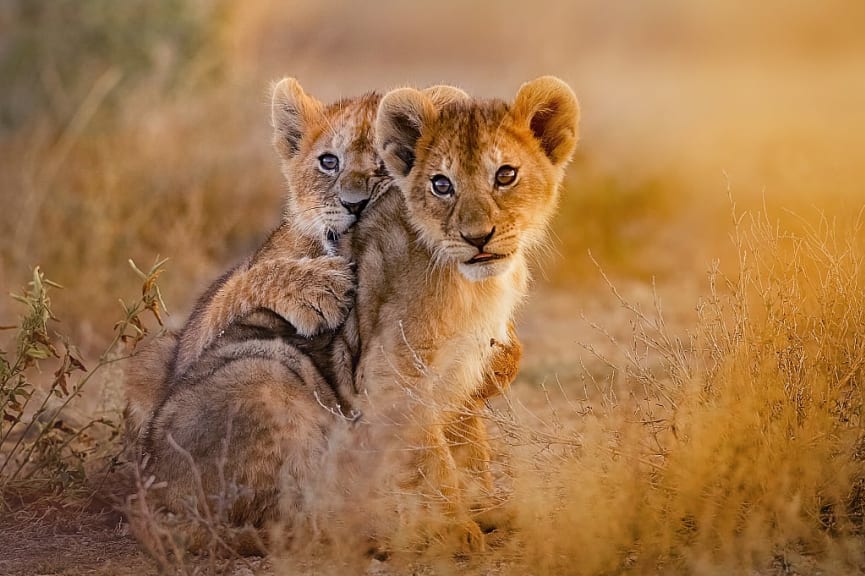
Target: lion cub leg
{"x": 469, "y": 445}
{"x": 438, "y": 471}
{"x": 312, "y": 294}
{"x": 467, "y": 433}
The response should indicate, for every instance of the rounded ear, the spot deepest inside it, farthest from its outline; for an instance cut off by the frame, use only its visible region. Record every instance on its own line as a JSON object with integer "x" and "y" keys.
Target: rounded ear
{"x": 548, "y": 107}
{"x": 443, "y": 95}
{"x": 292, "y": 111}
{"x": 401, "y": 116}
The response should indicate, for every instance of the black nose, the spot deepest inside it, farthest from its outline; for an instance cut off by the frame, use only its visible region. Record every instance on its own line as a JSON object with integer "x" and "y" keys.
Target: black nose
{"x": 355, "y": 207}
{"x": 479, "y": 241}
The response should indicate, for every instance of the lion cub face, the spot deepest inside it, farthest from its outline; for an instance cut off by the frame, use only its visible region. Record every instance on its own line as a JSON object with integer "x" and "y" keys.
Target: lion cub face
{"x": 328, "y": 158}
{"x": 480, "y": 178}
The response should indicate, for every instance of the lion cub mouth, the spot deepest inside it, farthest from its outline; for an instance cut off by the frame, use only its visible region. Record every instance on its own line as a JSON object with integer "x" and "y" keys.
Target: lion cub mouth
{"x": 484, "y": 257}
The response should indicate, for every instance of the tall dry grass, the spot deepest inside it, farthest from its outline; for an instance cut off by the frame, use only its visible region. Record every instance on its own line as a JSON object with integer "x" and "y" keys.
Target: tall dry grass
{"x": 735, "y": 450}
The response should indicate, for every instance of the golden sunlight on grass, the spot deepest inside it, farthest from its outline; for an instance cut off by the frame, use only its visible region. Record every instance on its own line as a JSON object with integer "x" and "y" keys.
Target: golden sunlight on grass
{"x": 737, "y": 448}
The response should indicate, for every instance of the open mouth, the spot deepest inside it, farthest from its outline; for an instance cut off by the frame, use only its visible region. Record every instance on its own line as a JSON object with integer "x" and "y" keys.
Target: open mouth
{"x": 484, "y": 257}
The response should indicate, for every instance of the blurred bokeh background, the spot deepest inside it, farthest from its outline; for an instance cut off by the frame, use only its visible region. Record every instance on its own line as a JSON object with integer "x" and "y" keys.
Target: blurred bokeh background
{"x": 136, "y": 128}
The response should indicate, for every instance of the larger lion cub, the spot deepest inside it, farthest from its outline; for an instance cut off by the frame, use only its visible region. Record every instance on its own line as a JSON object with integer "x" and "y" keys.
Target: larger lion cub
{"x": 443, "y": 264}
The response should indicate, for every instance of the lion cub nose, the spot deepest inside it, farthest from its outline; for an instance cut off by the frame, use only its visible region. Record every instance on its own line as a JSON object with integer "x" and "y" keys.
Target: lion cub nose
{"x": 481, "y": 240}
{"x": 354, "y": 207}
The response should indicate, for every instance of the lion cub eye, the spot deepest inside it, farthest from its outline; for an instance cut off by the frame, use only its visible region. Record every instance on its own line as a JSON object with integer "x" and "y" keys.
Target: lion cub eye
{"x": 506, "y": 175}
{"x": 442, "y": 186}
{"x": 328, "y": 162}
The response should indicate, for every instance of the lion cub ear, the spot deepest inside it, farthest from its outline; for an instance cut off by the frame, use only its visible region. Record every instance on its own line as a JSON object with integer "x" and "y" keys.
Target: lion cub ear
{"x": 549, "y": 108}
{"x": 443, "y": 94}
{"x": 402, "y": 114}
{"x": 292, "y": 112}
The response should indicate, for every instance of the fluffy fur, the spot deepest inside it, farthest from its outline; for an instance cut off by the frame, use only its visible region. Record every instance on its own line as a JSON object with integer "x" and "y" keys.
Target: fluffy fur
{"x": 237, "y": 400}
{"x": 242, "y": 399}
{"x": 299, "y": 273}
{"x": 430, "y": 294}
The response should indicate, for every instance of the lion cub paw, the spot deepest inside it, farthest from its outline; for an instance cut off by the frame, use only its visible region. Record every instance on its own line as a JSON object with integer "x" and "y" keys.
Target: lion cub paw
{"x": 469, "y": 537}
{"x": 319, "y": 296}
{"x": 503, "y": 368}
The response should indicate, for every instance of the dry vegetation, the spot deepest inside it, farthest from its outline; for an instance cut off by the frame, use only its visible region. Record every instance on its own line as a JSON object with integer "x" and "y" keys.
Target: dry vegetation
{"x": 666, "y": 420}
{"x": 737, "y": 448}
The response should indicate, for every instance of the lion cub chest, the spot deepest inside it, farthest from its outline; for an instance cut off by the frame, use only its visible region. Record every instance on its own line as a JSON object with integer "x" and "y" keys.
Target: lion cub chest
{"x": 433, "y": 338}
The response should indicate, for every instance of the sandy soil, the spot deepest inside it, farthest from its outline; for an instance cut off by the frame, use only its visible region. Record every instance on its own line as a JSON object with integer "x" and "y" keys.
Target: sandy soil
{"x": 46, "y": 537}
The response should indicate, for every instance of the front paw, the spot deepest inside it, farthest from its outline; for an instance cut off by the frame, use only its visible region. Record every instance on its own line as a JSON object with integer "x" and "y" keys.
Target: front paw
{"x": 503, "y": 367}
{"x": 322, "y": 294}
{"x": 468, "y": 537}
{"x": 496, "y": 514}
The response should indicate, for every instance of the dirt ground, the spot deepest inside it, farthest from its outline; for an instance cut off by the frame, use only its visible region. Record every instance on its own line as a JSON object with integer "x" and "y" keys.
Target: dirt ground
{"x": 44, "y": 537}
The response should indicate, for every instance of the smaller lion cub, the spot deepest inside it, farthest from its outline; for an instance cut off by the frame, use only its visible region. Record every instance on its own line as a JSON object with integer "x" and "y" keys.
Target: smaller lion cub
{"x": 332, "y": 172}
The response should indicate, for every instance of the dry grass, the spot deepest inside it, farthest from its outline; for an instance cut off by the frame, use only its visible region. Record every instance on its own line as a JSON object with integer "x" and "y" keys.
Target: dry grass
{"x": 737, "y": 449}
{"x": 216, "y": 546}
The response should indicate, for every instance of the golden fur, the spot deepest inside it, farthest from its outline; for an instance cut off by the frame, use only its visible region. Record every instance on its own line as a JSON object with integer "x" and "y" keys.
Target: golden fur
{"x": 238, "y": 393}
{"x": 298, "y": 273}
{"x": 236, "y": 399}
{"x": 425, "y": 308}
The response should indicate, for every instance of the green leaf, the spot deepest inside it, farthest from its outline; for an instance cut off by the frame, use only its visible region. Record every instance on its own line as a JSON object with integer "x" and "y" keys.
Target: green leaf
{"x": 37, "y": 353}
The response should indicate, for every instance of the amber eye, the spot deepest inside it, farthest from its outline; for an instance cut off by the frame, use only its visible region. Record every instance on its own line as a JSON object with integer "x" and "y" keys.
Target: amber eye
{"x": 442, "y": 186}
{"x": 506, "y": 175}
{"x": 328, "y": 162}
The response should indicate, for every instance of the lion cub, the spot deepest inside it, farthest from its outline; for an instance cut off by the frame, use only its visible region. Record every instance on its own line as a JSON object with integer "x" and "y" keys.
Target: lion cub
{"x": 234, "y": 399}
{"x": 298, "y": 280}
{"x": 332, "y": 173}
{"x": 443, "y": 264}
{"x": 238, "y": 394}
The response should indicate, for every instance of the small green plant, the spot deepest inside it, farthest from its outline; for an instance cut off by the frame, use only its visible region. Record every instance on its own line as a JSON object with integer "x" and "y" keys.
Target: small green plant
{"x": 40, "y": 443}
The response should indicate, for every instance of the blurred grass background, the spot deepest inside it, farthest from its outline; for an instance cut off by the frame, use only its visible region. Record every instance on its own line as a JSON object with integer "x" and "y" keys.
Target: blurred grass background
{"x": 141, "y": 128}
